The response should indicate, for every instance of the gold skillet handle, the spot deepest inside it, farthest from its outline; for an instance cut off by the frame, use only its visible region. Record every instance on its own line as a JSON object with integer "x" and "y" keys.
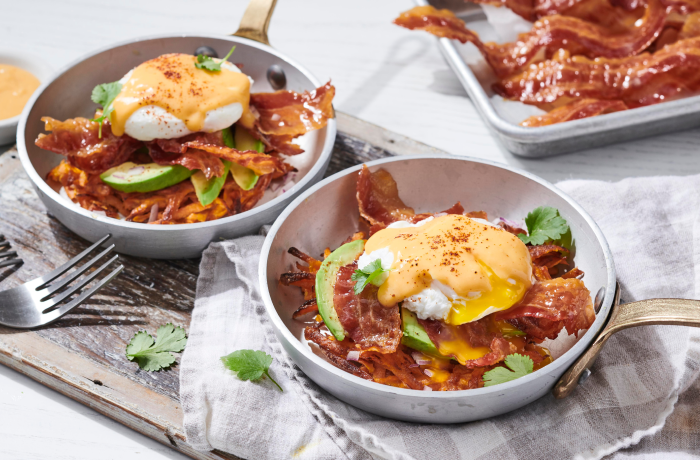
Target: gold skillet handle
{"x": 677, "y": 312}
{"x": 256, "y": 20}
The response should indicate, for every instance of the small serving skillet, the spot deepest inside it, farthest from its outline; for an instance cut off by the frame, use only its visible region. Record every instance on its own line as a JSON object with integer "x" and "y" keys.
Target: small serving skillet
{"x": 436, "y": 182}
{"x": 67, "y": 95}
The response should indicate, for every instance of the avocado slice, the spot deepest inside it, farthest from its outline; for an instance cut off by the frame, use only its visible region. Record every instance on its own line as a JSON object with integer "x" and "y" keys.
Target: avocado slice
{"x": 414, "y": 335}
{"x": 208, "y": 189}
{"x": 129, "y": 177}
{"x": 244, "y": 177}
{"x": 325, "y": 283}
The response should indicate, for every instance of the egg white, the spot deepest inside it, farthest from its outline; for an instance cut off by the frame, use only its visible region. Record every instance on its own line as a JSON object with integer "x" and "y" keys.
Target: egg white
{"x": 152, "y": 122}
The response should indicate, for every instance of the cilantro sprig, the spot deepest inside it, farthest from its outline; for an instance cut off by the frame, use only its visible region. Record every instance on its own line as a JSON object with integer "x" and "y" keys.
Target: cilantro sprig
{"x": 104, "y": 95}
{"x": 154, "y": 355}
{"x": 208, "y": 63}
{"x": 519, "y": 366}
{"x": 544, "y": 224}
{"x": 370, "y": 274}
{"x": 250, "y": 365}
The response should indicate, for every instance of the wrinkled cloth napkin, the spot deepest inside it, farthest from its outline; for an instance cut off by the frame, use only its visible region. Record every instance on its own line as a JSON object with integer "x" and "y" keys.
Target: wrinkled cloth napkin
{"x": 653, "y": 228}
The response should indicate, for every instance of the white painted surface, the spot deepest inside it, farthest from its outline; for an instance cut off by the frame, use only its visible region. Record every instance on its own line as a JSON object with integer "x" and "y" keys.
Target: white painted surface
{"x": 383, "y": 74}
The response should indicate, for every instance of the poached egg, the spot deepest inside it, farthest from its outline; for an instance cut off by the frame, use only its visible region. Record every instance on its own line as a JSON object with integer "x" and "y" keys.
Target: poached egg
{"x": 450, "y": 268}
{"x": 168, "y": 97}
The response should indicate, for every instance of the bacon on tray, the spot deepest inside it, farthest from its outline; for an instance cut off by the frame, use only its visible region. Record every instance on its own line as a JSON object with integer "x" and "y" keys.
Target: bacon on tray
{"x": 550, "y": 34}
{"x": 576, "y": 110}
{"x": 585, "y": 58}
{"x": 79, "y": 140}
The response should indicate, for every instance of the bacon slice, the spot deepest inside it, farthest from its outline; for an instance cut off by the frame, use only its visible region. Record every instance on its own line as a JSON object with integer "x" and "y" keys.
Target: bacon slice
{"x": 584, "y": 108}
{"x": 335, "y": 351}
{"x": 550, "y": 306}
{"x": 284, "y": 115}
{"x": 260, "y": 163}
{"x": 210, "y": 165}
{"x": 550, "y": 34}
{"x": 378, "y": 198}
{"x": 369, "y": 324}
{"x": 646, "y": 79}
{"x": 78, "y": 139}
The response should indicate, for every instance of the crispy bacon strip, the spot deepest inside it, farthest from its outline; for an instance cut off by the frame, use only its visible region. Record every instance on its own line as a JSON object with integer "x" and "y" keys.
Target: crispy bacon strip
{"x": 550, "y": 305}
{"x": 335, "y": 351}
{"x": 260, "y": 163}
{"x": 284, "y": 115}
{"x": 550, "y": 34}
{"x": 378, "y": 198}
{"x": 584, "y": 108}
{"x": 78, "y": 139}
{"x": 210, "y": 165}
{"x": 368, "y": 323}
{"x": 646, "y": 79}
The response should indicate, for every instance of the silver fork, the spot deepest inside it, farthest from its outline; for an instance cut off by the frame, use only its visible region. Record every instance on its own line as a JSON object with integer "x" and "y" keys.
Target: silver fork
{"x": 5, "y": 252}
{"x": 39, "y": 302}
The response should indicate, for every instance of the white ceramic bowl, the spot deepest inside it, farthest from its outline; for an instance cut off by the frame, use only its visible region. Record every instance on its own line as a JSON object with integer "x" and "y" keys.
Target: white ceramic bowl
{"x": 327, "y": 214}
{"x": 32, "y": 64}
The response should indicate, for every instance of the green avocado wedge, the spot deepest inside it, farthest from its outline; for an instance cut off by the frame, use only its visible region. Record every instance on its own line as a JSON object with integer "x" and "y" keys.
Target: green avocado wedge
{"x": 208, "y": 189}
{"x": 325, "y": 284}
{"x": 130, "y": 177}
{"x": 244, "y": 177}
{"x": 415, "y": 336}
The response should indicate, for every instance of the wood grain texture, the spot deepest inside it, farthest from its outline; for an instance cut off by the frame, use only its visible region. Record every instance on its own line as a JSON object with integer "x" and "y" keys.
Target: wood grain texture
{"x": 83, "y": 354}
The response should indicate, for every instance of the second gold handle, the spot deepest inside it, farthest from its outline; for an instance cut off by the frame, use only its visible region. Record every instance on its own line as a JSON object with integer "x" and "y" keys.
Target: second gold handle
{"x": 678, "y": 312}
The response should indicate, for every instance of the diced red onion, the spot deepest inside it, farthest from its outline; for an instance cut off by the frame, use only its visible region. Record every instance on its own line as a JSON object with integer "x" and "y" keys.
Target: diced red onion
{"x": 413, "y": 365}
{"x": 428, "y": 372}
{"x": 154, "y": 213}
{"x": 511, "y": 223}
{"x": 353, "y": 356}
{"x": 427, "y": 388}
{"x": 419, "y": 358}
{"x": 119, "y": 176}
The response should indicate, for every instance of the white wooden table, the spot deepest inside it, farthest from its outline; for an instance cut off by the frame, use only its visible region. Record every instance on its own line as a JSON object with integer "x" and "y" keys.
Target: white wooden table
{"x": 383, "y": 74}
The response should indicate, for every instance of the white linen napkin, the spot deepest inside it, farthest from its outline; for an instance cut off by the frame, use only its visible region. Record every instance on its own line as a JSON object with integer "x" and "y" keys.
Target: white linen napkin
{"x": 653, "y": 228}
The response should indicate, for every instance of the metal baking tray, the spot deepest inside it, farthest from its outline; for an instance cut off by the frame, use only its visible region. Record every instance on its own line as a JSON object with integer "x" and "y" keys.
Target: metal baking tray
{"x": 570, "y": 136}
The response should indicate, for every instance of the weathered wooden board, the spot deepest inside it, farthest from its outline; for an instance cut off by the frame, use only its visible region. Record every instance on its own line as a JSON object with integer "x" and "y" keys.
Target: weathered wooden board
{"x": 82, "y": 355}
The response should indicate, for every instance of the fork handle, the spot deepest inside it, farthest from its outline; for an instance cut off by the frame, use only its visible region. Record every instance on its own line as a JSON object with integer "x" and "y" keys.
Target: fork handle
{"x": 676, "y": 312}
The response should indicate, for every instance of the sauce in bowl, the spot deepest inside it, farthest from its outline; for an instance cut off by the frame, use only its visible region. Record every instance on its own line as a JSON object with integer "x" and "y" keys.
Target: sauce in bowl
{"x": 16, "y": 86}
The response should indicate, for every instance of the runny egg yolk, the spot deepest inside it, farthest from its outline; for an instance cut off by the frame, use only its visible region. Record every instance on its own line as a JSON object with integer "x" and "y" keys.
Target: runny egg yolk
{"x": 173, "y": 82}
{"x": 480, "y": 268}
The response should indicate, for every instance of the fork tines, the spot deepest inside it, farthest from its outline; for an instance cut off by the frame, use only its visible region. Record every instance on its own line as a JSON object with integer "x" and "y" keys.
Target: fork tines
{"x": 10, "y": 257}
{"x": 54, "y": 290}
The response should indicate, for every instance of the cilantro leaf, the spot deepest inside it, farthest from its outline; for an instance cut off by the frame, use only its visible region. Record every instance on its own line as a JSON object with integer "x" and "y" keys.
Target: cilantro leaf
{"x": 154, "y": 355}
{"x": 104, "y": 95}
{"x": 519, "y": 366}
{"x": 208, "y": 63}
{"x": 544, "y": 224}
{"x": 370, "y": 274}
{"x": 249, "y": 365}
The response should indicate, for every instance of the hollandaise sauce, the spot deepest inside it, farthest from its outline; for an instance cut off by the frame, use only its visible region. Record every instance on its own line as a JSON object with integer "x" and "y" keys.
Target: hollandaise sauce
{"x": 16, "y": 86}
{"x": 483, "y": 268}
{"x": 173, "y": 83}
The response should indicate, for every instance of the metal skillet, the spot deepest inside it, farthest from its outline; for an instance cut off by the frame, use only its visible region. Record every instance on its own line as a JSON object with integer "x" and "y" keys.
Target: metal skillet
{"x": 67, "y": 95}
{"x": 436, "y": 182}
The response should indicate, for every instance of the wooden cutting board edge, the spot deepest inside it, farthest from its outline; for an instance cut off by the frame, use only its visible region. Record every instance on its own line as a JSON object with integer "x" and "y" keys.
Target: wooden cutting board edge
{"x": 109, "y": 393}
